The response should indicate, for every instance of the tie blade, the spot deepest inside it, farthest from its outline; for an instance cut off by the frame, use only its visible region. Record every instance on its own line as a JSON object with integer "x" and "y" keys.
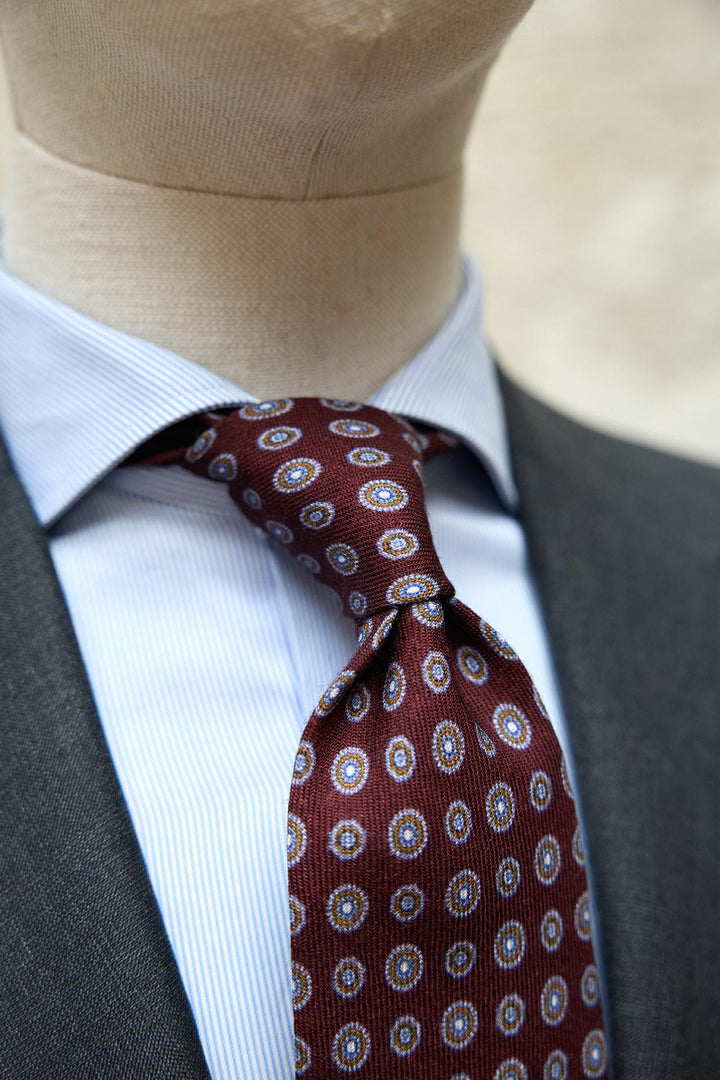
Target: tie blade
{"x": 435, "y": 854}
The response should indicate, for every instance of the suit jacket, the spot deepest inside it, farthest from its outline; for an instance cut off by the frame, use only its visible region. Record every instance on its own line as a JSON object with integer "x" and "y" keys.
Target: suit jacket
{"x": 625, "y": 544}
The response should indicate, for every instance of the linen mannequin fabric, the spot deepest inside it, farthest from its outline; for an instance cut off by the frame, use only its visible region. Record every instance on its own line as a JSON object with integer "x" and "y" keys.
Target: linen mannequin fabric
{"x": 439, "y": 908}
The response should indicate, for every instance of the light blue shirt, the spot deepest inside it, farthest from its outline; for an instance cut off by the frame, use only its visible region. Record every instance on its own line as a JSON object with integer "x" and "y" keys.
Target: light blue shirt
{"x": 207, "y": 647}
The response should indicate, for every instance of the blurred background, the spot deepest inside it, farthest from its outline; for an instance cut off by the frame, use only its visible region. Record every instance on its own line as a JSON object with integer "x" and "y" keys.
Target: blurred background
{"x": 593, "y": 206}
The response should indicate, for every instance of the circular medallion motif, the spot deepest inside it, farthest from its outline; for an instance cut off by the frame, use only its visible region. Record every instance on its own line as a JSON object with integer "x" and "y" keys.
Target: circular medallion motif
{"x": 351, "y": 1047}
{"x": 486, "y": 744}
{"x": 556, "y": 1066}
{"x": 347, "y": 908}
{"x": 417, "y": 440}
{"x": 358, "y": 603}
{"x": 368, "y": 457}
{"x": 540, "y": 790}
{"x": 298, "y": 916}
{"x": 510, "y": 945}
{"x": 400, "y": 758}
{"x": 357, "y": 705}
{"x": 404, "y": 967}
{"x": 384, "y": 628}
{"x": 349, "y": 770}
{"x": 301, "y": 986}
{"x": 459, "y": 1025}
{"x": 462, "y": 895}
{"x": 460, "y": 959}
{"x": 334, "y": 692}
{"x": 201, "y": 445}
{"x": 458, "y": 822}
{"x": 309, "y": 563}
{"x": 296, "y": 474}
{"x": 347, "y": 839}
{"x": 551, "y": 930}
{"x": 296, "y": 839}
{"x": 496, "y": 642}
{"x": 397, "y": 544}
{"x": 354, "y": 429}
{"x": 407, "y": 834}
{"x": 513, "y": 726}
{"x": 317, "y": 515}
{"x": 507, "y": 879}
{"x": 448, "y": 746}
{"x": 302, "y": 1057}
{"x": 340, "y": 405}
{"x": 472, "y": 666}
{"x": 410, "y": 588}
{"x": 500, "y": 807}
{"x": 594, "y": 1055}
{"x": 393, "y": 688}
{"x": 365, "y": 629}
{"x": 405, "y": 1036}
{"x": 510, "y": 1014}
{"x": 252, "y": 499}
{"x": 223, "y": 467}
{"x": 577, "y": 847}
{"x": 279, "y": 532}
{"x": 407, "y": 903}
{"x": 554, "y": 1001}
{"x": 547, "y": 860}
{"x": 348, "y": 977}
{"x": 343, "y": 559}
{"x": 429, "y": 613}
{"x": 262, "y": 410}
{"x": 583, "y": 918}
{"x": 589, "y": 986}
{"x": 512, "y": 1069}
{"x": 436, "y": 672}
{"x": 383, "y": 495}
{"x": 277, "y": 438}
{"x": 304, "y": 763}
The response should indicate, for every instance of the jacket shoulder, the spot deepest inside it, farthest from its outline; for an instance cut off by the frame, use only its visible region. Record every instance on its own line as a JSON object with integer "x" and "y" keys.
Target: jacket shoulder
{"x": 666, "y": 492}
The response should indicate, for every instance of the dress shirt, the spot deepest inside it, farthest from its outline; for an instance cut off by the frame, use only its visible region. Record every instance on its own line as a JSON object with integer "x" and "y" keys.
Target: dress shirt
{"x": 207, "y": 646}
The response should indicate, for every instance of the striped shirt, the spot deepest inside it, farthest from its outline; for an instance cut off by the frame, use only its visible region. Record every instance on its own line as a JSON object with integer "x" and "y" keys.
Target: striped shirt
{"x": 206, "y": 647}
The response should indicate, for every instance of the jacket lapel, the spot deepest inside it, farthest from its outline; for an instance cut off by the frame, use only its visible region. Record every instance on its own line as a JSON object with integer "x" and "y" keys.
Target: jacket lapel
{"x": 624, "y": 544}
{"x": 88, "y": 983}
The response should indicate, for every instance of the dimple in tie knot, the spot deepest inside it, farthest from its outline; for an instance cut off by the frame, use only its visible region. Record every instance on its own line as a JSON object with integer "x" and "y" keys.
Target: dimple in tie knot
{"x": 338, "y": 483}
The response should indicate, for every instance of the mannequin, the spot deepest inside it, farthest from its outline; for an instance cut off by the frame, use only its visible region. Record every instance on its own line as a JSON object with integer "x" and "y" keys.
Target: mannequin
{"x": 271, "y": 189}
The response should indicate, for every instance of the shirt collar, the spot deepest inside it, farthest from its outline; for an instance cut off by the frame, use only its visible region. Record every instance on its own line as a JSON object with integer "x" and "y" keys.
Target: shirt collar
{"x": 77, "y": 397}
{"x": 452, "y": 383}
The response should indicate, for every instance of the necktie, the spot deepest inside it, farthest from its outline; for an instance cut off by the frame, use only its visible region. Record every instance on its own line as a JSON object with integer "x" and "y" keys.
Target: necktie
{"x": 439, "y": 908}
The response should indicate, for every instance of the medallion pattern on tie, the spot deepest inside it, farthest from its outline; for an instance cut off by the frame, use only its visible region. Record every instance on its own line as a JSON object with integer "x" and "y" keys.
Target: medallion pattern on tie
{"x": 439, "y": 908}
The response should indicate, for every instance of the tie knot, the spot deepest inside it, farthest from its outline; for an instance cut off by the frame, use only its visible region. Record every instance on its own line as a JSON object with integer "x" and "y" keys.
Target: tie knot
{"x": 339, "y": 485}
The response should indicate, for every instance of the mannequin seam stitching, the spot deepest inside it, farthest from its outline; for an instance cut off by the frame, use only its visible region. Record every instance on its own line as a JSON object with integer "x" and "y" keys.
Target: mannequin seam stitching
{"x": 440, "y": 178}
{"x": 323, "y": 138}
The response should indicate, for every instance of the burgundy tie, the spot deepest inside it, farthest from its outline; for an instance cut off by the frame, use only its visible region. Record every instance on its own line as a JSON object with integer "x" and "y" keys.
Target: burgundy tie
{"x": 439, "y": 906}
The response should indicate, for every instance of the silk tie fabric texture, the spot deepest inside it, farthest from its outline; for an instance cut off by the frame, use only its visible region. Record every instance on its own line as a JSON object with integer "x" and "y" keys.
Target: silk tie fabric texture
{"x": 439, "y": 909}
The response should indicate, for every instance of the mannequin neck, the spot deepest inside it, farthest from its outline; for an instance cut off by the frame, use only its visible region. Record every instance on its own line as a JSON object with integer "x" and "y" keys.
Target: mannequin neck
{"x": 281, "y": 296}
{"x": 270, "y": 188}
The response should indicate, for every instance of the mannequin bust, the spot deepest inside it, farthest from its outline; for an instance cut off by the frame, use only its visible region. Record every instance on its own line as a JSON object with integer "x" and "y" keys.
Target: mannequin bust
{"x": 271, "y": 189}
